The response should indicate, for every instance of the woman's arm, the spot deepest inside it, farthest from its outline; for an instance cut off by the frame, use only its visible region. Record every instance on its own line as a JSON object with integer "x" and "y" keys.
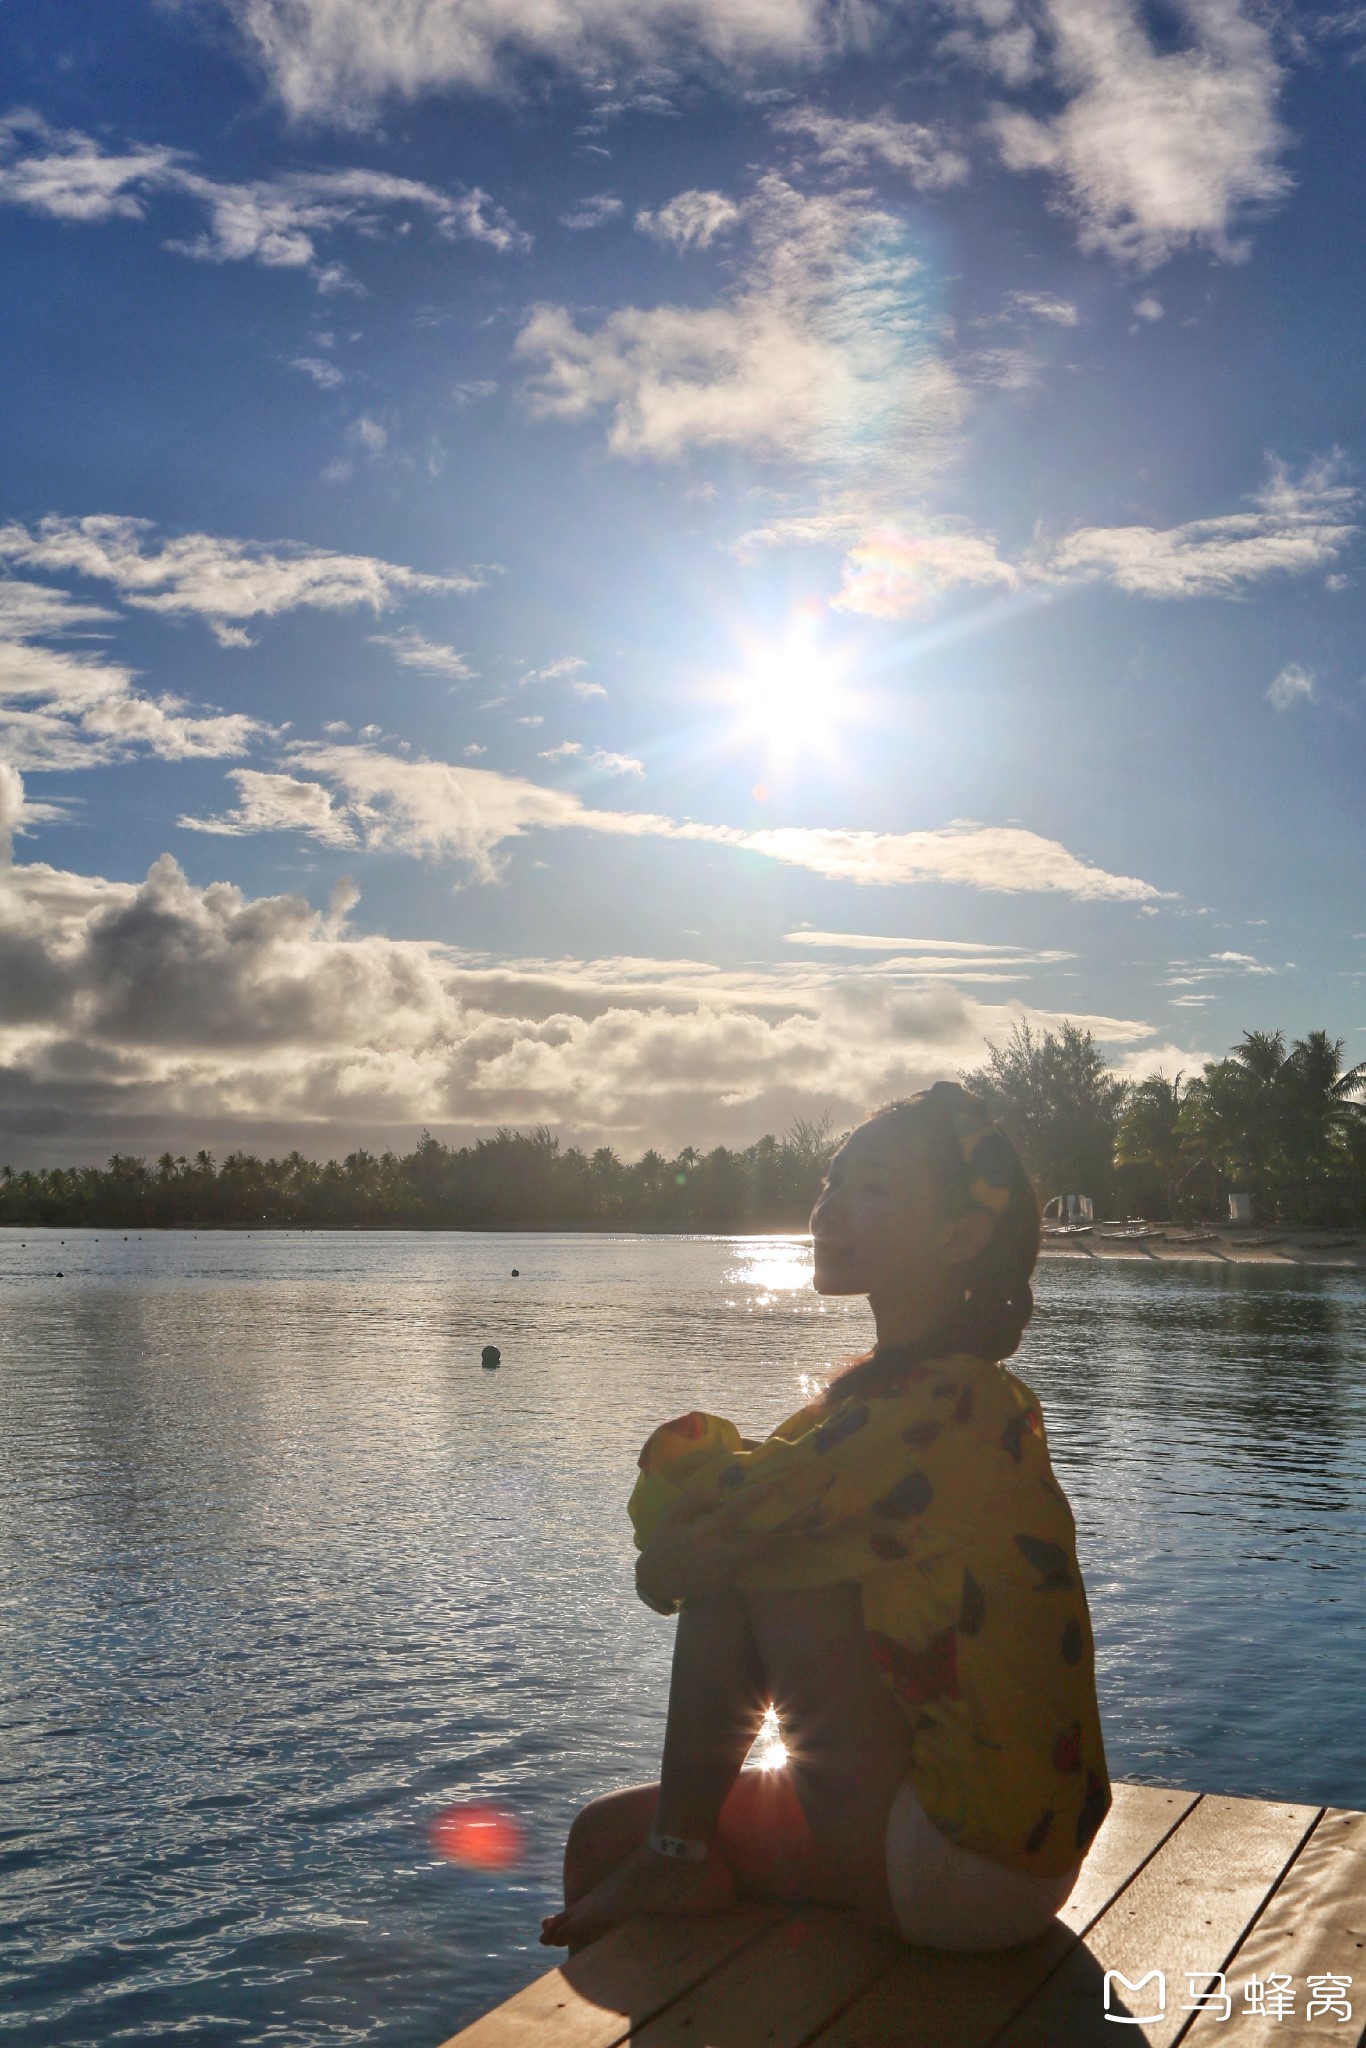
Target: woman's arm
{"x": 697, "y": 1549}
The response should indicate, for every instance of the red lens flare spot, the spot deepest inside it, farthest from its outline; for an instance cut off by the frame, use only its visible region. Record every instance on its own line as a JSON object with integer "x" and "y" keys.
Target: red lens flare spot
{"x": 760, "y": 792}
{"x": 480, "y": 1836}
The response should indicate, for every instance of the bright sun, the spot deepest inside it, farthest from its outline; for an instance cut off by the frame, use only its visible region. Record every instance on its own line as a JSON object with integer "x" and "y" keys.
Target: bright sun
{"x": 792, "y": 695}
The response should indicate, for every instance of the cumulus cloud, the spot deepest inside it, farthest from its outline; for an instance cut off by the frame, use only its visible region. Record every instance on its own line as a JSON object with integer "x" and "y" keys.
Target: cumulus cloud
{"x": 160, "y": 1000}
{"x": 691, "y": 220}
{"x": 275, "y": 222}
{"x": 73, "y": 707}
{"x": 1154, "y": 150}
{"x": 438, "y": 809}
{"x": 919, "y": 153}
{"x": 1296, "y": 524}
{"x": 818, "y": 355}
{"x": 221, "y": 580}
{"x": 338, "y": 60}
{"x": 1295, "y": 684}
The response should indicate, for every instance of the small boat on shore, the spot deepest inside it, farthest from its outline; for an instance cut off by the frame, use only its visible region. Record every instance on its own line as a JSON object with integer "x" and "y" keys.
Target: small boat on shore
{"x": 1192, "y": 1237}
{"x": 1142, "y": 1234}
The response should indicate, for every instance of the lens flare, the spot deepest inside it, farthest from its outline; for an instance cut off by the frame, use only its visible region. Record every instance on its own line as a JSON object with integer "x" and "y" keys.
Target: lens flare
{"x": 481, "y": 1836}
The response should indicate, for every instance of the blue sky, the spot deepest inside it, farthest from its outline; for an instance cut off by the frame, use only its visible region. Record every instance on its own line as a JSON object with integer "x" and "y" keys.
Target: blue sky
{"x": 659, "y": 567}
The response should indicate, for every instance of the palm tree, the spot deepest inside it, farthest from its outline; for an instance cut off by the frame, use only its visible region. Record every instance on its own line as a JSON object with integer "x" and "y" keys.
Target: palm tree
{"x": 1319, "y": 1114}
{"x": 1150, "y": 1132}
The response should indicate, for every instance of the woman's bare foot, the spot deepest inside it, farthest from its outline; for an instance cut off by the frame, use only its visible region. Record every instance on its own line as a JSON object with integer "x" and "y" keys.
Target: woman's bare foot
{"x": 645, "y": 1883}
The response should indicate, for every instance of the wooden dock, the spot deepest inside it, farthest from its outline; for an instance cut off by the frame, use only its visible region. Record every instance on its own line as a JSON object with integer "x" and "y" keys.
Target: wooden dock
{"x": 1236, "y": 1900}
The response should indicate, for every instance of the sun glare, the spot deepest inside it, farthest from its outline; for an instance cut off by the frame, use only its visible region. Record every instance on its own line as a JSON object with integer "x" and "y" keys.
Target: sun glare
{"x": 792, "y": 696}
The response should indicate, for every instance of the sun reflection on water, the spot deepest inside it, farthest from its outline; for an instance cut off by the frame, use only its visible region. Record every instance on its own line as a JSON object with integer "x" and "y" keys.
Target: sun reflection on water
{"x": 773, "y": 1265}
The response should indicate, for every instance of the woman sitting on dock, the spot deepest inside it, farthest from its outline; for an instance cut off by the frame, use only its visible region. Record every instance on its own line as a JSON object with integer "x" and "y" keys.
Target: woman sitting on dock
{"x": 895, "y": 1569}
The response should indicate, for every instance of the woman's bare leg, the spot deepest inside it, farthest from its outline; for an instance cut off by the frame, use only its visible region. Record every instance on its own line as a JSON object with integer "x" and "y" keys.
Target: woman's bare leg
{"x": 717, "y": 1701}
{"x": 762, "y": 1836}
{"x": 815, "y": 1831}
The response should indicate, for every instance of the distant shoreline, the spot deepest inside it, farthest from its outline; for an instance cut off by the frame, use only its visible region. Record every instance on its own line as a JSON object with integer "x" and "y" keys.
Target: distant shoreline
{"x": 1326, "y": 1248}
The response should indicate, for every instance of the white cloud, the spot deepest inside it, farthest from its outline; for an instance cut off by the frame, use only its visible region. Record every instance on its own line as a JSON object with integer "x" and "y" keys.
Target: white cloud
{"x": 1298, "y": 524}
{"x": 1044, "y": 306}
{"x": 593, "y": 212}
{"x": 1149, "y": 308}
{"x": 430, "y": 657}
{"x": 1295, "y": 684}
{"x": 278, "y": 803}
{"x": 919, "y": 153}
{"x": 819, "y": 354}
{"x": 74, "y": 708}
{"x": 324, "y": 374}
{"x": 160, "y": 1000}
{"x": 965, "y": 961}
{"x": 275, "y": 222}
{"x": 69, "y": 177}
{"x": 690, "y": 220}
{"x": 437, "y": 809}
{"x": 1216, "y": 967}
{"x": 894, "y": 574}
{"x": 338, "y": 60}
{"x": 11, "y": 809}
{"x": 1003, "y": 858}
{"x": 996, "y": 36}
{"x": 566, "y": 751}
{"x": 221, "y": 580}
{"x": 1155, "y": 150}
{"x": 615, "y": 764}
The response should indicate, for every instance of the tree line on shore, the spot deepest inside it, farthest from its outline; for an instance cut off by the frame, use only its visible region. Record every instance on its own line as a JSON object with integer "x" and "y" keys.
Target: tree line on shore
{"x": 1285, "y": 1123}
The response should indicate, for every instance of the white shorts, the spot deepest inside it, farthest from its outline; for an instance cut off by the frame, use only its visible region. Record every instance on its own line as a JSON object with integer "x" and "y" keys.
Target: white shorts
{"x": 945, "y": 1897}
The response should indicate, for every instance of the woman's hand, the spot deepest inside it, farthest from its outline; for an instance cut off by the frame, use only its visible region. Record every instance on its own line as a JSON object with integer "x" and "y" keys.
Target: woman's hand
{"x": 699, "y": 1549}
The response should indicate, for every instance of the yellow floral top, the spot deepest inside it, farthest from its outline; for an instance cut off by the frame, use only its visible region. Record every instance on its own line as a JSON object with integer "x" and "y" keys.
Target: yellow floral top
{"x": 933, "y": 1492}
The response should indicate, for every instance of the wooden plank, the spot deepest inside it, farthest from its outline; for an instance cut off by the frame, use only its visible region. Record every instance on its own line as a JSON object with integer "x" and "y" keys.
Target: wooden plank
{"x": 596, "y": 1998}
{"x": 1185, "y": 1912}
{"x": 1313, "y": 1926}
{"x": 934, "y": 2000}
{"x": 780, "y": 1990}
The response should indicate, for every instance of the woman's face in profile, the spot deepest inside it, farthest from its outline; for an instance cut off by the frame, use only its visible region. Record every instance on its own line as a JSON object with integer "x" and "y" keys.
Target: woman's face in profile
{"x": 876, "y": 1224}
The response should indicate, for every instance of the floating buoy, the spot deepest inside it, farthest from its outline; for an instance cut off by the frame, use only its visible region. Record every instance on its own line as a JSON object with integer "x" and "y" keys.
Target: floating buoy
{"x": 490, "y": 1358}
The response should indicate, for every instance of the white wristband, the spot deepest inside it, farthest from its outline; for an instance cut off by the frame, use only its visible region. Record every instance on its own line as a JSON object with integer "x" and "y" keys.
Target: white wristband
{"x": 679, "y": 1848}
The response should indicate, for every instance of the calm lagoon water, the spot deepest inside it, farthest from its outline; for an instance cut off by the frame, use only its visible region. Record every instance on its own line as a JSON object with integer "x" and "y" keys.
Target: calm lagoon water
{"x": 283, "y": 1572}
